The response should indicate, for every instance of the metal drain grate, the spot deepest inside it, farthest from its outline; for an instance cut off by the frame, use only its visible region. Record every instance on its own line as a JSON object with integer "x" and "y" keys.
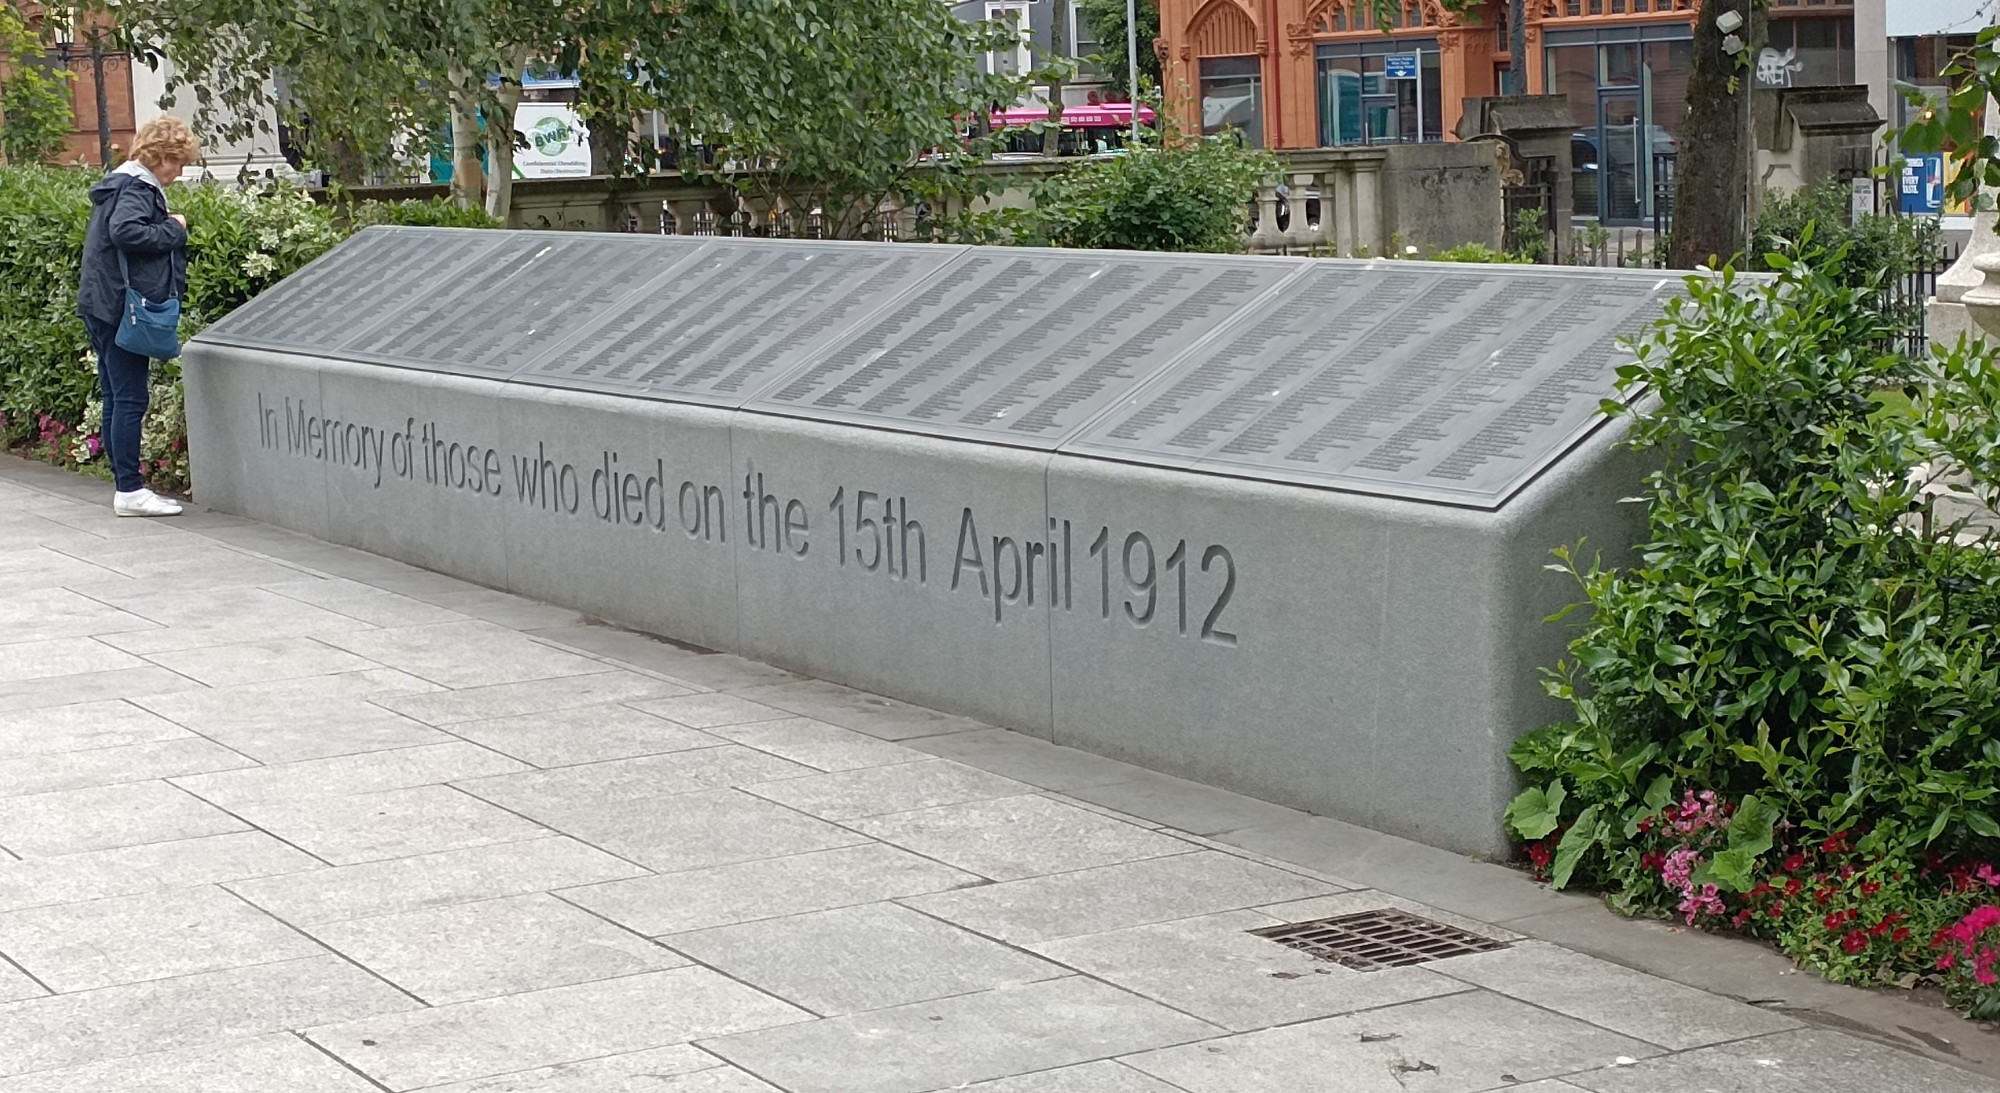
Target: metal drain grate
{"x": 1372, "y": 940}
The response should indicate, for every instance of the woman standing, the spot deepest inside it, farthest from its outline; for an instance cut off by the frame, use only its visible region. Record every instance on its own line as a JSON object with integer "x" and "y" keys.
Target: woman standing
{"x": 131, "y": 230}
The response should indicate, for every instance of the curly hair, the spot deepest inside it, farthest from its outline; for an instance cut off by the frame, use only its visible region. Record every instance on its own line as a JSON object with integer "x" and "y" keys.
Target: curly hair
{"x": 165, "y": 137}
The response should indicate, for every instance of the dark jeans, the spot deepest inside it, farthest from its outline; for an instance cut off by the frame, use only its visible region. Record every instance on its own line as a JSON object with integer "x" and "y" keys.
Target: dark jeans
{"x": 121, "y": 374}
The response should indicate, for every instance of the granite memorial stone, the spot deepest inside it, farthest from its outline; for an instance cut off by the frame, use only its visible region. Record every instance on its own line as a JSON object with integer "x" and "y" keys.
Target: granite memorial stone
{"x": 1278, "y": 525}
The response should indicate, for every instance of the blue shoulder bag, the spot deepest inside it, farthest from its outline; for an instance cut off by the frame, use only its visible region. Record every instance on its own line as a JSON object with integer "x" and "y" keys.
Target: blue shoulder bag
{"x": 148, "y": 329}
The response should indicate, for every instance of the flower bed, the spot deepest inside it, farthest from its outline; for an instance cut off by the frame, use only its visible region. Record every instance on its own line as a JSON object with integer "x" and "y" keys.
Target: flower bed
{"x": 240, "y": 242}
{"x": 1786, "y": 705}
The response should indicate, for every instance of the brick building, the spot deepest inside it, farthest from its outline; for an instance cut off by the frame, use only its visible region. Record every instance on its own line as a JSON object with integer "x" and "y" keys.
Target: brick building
{"x": 1321, "y": 73}
{"x": 73, "y": 51}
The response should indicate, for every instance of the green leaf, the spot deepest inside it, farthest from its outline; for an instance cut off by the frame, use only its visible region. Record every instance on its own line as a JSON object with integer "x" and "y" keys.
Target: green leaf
{"x": 1982, "y": 824}
{"x": 1536, "y": 812}
{"x": 1576, "y": 842}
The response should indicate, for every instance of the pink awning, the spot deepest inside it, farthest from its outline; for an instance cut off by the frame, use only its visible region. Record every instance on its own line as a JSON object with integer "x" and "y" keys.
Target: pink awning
{"x": 1102, "y": 116}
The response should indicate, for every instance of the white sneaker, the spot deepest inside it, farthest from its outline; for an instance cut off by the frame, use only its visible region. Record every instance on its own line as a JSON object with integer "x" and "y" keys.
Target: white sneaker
{"x": 143, "y": 502}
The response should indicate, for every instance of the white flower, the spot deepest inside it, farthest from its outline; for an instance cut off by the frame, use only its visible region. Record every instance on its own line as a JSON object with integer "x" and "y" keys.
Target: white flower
{"x": 259, "y": 264}
{"x": 268, "y": 240}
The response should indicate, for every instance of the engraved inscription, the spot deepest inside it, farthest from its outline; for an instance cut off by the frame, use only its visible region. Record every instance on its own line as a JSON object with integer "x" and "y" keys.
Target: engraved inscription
{"x": 1023, "y": 347}
{"x": 1444, "y": 384}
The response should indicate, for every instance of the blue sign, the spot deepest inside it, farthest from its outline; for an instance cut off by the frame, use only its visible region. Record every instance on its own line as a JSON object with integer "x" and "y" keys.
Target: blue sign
{"x": 1399, "y": 66}
{"x": 1921, "y": 187}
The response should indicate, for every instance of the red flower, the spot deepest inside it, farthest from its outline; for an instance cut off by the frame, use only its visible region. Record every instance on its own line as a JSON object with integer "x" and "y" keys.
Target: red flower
{"x": 1776, "y": 910}
{"x": 1835, "y": 843}
{"x": 1854, "y": 942}
{"x": 1869, "y": 887}
{"x": 1822, "y": 895}
{"x": 1846, "y": 872}
{"x": 1901, "y": 935}
{"x": 1762, "y": 888}
{"x": 1835, "y": 920}
{"x": 1792, "y": 886}
{"x": 1795, "y": 863}
{"x": 1645, "y": 824}
{"x": 1651, "y": 860}
{"x": 1538, "y": 853}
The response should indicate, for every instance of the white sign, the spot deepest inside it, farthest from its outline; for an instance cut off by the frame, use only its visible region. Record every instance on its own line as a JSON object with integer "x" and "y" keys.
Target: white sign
{"x": 557, "y": 146}
{"x": 1861, "y": 197}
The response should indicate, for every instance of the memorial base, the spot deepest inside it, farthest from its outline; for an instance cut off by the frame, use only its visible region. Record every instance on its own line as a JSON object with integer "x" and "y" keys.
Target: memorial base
{"x": 1361, "y": 657}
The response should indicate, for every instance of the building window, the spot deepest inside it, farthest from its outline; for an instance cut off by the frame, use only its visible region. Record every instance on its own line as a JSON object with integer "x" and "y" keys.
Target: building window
{"x": 1808, "y": 52}
{"x": 1016, "y": 61}
{"x": 1360, "y": 104}
{"x": 1627, "y": 92}
{"x": 1232, "y": 97}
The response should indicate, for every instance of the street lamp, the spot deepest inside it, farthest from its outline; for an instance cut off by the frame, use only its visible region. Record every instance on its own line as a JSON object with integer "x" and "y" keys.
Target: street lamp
{"x": 68, "y": 49}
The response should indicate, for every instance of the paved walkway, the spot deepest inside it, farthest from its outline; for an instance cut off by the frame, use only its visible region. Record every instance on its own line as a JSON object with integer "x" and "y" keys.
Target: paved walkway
{"x": 282, "y": 817}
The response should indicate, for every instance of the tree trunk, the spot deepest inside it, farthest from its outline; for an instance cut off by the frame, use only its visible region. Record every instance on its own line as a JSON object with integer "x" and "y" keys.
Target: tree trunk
{"x": 1517, "y": 47}
{"x": 467, "y": 175}
{"x": 1709, "y": 187}
{"x": 1058, "y": 33}
{"x": 500, "y": 151}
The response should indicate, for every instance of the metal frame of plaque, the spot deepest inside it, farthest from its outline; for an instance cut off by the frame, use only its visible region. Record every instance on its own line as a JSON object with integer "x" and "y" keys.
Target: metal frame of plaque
{"x": 1434, "y": 382}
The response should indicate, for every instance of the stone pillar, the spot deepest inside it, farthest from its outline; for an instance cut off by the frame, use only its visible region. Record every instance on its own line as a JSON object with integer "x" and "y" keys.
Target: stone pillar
{"x": 1871, "y": 54}
{"x": 1947, "y": 316}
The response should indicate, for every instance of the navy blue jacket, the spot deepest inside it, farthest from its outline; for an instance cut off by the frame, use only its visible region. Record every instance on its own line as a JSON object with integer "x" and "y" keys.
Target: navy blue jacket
{"x": 129, "y": 214}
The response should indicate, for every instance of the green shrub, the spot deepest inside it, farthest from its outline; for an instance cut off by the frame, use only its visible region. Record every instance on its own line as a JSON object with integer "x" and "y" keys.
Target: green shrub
{"x": 424, "y": 214}
{"x": 1786, "y": 711}
{"x": 1881, "y": 250}
{"x": 1192, "y": 194}
{"x": 1476, "y": 252}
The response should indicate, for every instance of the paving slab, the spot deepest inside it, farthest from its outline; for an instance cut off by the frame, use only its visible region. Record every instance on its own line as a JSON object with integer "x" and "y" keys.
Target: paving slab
{"x": 17, "y": 985}
{"x": 26, "y": 660}
{"x": 225, "y": 616}
{"x": 464, "y": 654}
{"x": 708, "y": 711}
{"x": 702, "y": 667}
{"x": 697, "y": 899}
{"x": 339, "y": 776}
{"x": 817, "y": 744}
{"x": 363, "y": 603}
{"x": 861, "y": 958}
{"x": 81, "y": 727}
{"x": 553, "y": 795}
{"x": 67, "y": 1030}
{"x": 434, "y": 880}
{"x": 26, "y": 775}
{"x": 98, "y": 818}
{"x": 710, "y": 827}
{"x": 256, "y": 707}
{"x": 1213, "y": 968}
{"x": 1814, "y": 1061}
{"x": 1027, "y": 759}
{"x": 332, "y": 727}
{"x": 1455, "y": 1044}
{"x": 397, "y": 823}
{"x": 99, "y": 874}
{"x": 127, "y": 683}
{"x": 585, "y": 734}
{"x": 1189, "y": 806}
{"x": 1100, "y": 1077}
{"x": 858, "y": 710}
{"x": 1643, "y": 1006}
{"x": 1009, "y": 838}
{"x": 542, "y": 1028}
{"x": 150, "y": 935}
{"x": 900, "y": 787}
{"x": 1114, "y": 897}
{"x": 38, "y": 614}
{"x": 958, "y": 1041}
{"x": 262, "y": 661}
{"x": 259, "y": 1064}
{"x": 532, "y": 696}
{"x": 677, "y": 1069}
{"x": 493, "y": 947}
